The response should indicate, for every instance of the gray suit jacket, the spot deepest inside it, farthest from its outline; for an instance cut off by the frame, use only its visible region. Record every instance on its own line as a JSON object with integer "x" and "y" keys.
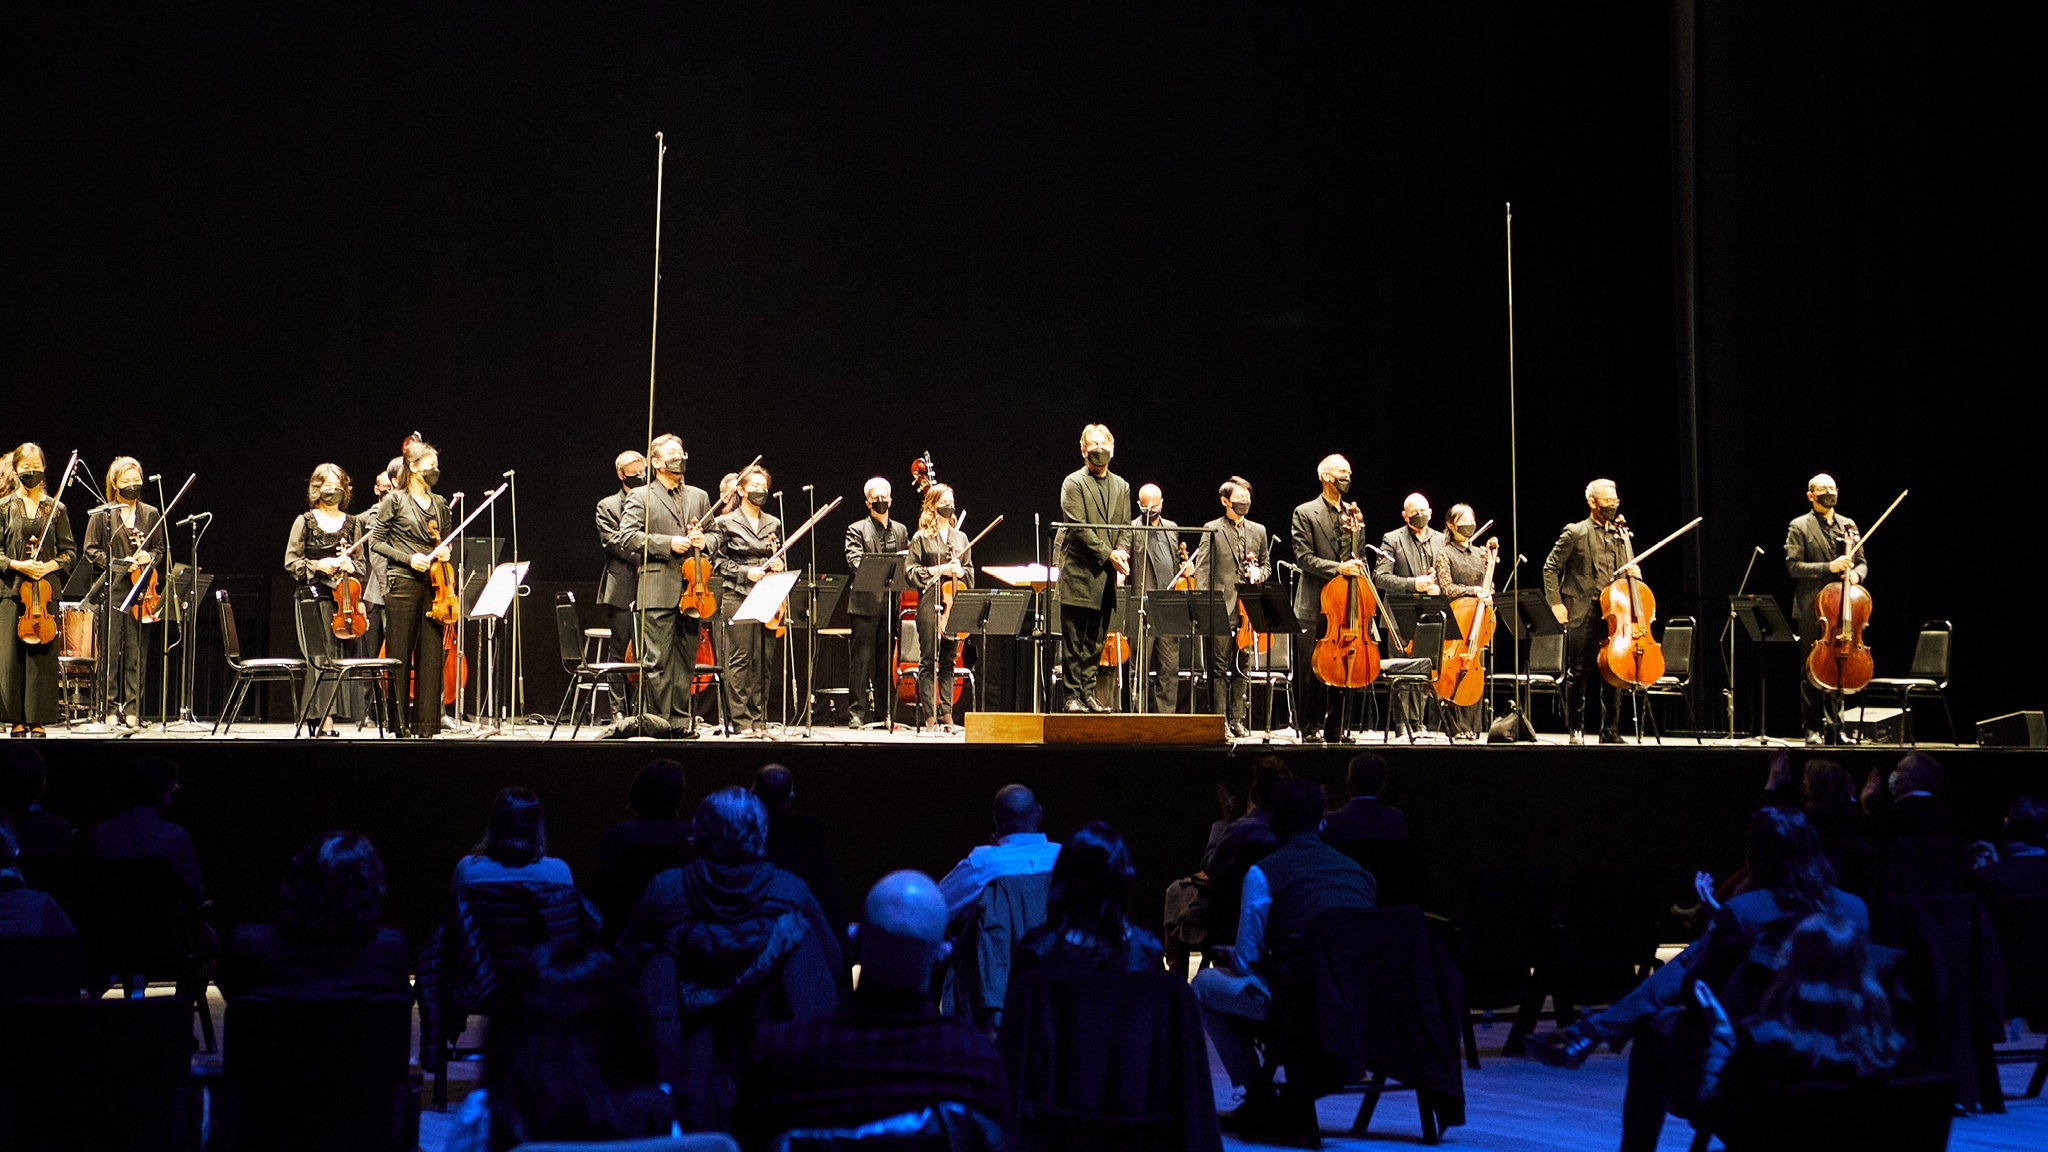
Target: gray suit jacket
{"x": 1221, "y": 573}
{"x": 1318, "y": 547}
{"x": 1573, "y": 573}
{"x": 1809, "y": 546}
{"x": 649, "y": 519}
{"x": 619, "y": 582}
{"x": 864, "y": 536}
{"x": 1085, "y": 573}
{"x": 1411, "y": 558}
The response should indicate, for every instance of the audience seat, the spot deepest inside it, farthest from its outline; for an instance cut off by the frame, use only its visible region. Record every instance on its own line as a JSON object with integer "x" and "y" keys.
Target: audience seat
{"x": 313, "y": 1075}
{"x": 97, "y": 1074}
{"x": 1400, "y": 875}
{"x": 2022, "y": 926}
{"x": 139, "y": 925}
{"x": 1505, "y": 934}
{"x": 42, "y": 967}
{"x": 1607, "y": 938}
{"x": 1952, "y": 981}
{"x": 616, "y": 888}
{"x": 946, "y": 1128}
{"x": 1007, "y": 908}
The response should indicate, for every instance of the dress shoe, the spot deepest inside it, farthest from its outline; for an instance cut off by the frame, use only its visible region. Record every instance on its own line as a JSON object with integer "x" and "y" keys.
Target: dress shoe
{"x": 1095, "y": 705}
{"x": 1563, "y": 1048}
{"x": 1815, "y": 740}
{"x": 1576, "y": 739}
{"x": 1611, "y": 738}
{"x": 1074, "y": 704}
{"x": 1237, "y": 731}
{"x": 1312, "y": 738}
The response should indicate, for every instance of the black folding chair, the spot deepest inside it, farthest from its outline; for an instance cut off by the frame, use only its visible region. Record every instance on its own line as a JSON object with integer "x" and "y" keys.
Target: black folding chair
{"x": 333, "y": 674}
{"x": 139, "y": 925}
{"x": 253, "y": 670}
{"x": 97, "y": 1074}
{"x": 1504, "y": 936}
{"x": 319, "y": 1074}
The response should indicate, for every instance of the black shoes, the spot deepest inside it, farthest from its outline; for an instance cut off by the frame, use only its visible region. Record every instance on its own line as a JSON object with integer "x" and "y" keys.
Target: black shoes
{"x": 1611, "y": 738}
{"x": 1563, "y": 1048}
{"x": 1074, "y": 704}
{"x": 1236, "y": 729}
{"x": 1095, "y": 705}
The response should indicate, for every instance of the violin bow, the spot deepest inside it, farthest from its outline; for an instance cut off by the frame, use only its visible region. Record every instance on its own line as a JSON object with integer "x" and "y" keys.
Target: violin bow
{"x": 1865, "y": 538}
{"x": 43, "y": 535}
{"x": 799, "y": 533}
{"x": 1645, "y": 554}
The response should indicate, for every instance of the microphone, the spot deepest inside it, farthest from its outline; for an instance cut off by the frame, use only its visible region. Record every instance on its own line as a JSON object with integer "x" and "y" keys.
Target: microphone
{"x": 808, "y": 487}
{"x": 508, "y": 473}
{"x": 454, "y": 498}
{"x": 1290, "y": 566}
{"x": 154, "y": 478}
{"x": 1759, "y": 549}
{"x": 778, "y": 493}
{"x": 1520, "y": 559}
{"x": 195, "y": 518}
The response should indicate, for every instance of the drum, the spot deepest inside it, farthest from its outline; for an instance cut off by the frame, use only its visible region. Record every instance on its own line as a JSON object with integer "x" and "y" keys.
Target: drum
{"x": 76, "y": 635}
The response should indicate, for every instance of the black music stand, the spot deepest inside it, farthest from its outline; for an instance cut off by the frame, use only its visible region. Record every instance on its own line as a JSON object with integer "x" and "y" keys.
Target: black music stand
{"x": 886, "y": 574}
{"x": 986, "y": 612}
{"x": 1525, "y": 614}
{"x": 1764, "y": 623}
{"x": 1408, "y": 608}
{"x": 1268, "y": 609}
{"x": 827, "y": 597}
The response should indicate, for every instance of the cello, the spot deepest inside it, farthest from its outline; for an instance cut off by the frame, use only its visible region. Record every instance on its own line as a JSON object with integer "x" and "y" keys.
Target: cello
{"x": 1839, "y": 660}
{"x": 1631, "y": 657}
{"x": 1345, "y": 656}
{"x": 1459, "y": 679}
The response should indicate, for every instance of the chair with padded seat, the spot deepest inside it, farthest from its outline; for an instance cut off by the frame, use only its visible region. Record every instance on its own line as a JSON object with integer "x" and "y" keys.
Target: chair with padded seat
{"x": 333, "y": 674}
{"x": 1928, "y": 676}
{"x": 250, "y": 670}
{"x": 1543, "y": 675}
{"x": 587, "y": 677}
{"x": 1676, "y": 683}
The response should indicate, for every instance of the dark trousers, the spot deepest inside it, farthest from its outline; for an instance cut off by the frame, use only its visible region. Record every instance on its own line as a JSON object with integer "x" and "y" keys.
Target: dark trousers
{"x": 1082, "y": 631}
{"x": 938, "y": 656}
{"x": 1316, "y": 707}
{"x": 412, "y": 637}
{"x": 871, "y": 671}
{"x": 1165, "y": 673}
{"x": 28, "y": 673}
{"x": 1820, "y": 710}
{"x": 668, "y": 639}
{"x": 121, "y": 665}
{"x": 1582, "y": 643}
{"x": 746, "y": 666}
{"x": 1229, "y": 693}
{"x": 373, "y": 638}
{"x": 621, "y": 621}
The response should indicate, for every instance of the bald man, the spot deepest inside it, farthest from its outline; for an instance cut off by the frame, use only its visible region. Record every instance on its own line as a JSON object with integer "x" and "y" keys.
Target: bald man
{"x": 1323, "y": 551}
{"x": 1156, "y": 561}
{"x": 1018, "y": 849}
{"x": 871, "y": 691}
{"x": 1816, "y": 555}
{"x": 1588, "y": 556}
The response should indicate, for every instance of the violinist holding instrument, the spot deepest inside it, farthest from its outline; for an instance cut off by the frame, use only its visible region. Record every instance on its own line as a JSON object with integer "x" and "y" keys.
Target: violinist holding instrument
{"x": 662, "y": 524}
{"x": 324, "y": 554}
{"x": 1235, "y": 551}
{"x": 122, "y": 539}
{"x": 870, "y": 688}
{"x": 413, "y": 526}
{"x": 1464, "y": 572}
{"x": 1089, "y": 560}
{"x": 376, "y": 566}
{"x": 941, "y": 560}
{"x": 36, "y": 552}
{"x": 1817, "y": 555}
{"x": 1162, "y": 563}
{"x": 746, "y": 540}
{"x": 618, "y": 585}
{"x": 1588, "y": 556}
{"x": 1323, "y": 550}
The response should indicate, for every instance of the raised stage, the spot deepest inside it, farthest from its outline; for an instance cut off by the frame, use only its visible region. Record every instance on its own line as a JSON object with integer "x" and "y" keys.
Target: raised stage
{"x": 906, "y": 801}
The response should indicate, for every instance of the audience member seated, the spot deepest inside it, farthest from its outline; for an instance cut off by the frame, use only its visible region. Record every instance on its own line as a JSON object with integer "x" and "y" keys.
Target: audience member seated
{"x": 1364, "y": 815}
{"x": 23, "y": 910}
{"x": 1789, "y": 880}
{"x": 2020, "y": 868}
{"x": 327, "y": 943}
{"x": 1284, "y": 892}
{"x": 1086, "y": 927}
{"x": 888, "y": 1051}
{"x": 38, "y": 831}
{"x": 1020, "y": 849}
{"x": 1248, "y": 838}
{"x": 569, "y": 1056}
{"x": 142, "y": 829}
{"x": 1825, "y": 1018}
{"x": 720, "y": 945}
{"x": 796, "y": 840}
{"x": 1911, "y": 805}
{"x": 656, "y": 801}
{"x": 1189, "y": 900}
{"x": 514, "y": 847}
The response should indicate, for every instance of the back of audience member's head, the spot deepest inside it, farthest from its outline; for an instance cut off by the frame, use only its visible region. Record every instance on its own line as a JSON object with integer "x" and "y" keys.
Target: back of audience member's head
{"x": 517, "y": 833}
{"x": 10, "y": 847}
{"x": 1232, "y": 788}
{"x": 901, "y": 935}
{"x": 566, "y": 1049}
{"x": 1785, "y": 859}
{"x": 731, "y": 827}
{"x": 657, "y": 791}
{"x": 1268, "y": 772}
{"x": 150, "y": 782}
{"x": 1916, "y": 772}
{"x": 775, "y": 785}
{"x": 1826, "y": 1006}
{"x": 1017, "y": 810}
{"x": 2026, "y": 822}
{"x": 333, "y": 891}
{"x": 1091, "y": 884}
{"x": 1297, "y": 807}
{"x": 1367, "y": 775}
{"x": 1828, "y": 787}
{"x": 22, "y": 776}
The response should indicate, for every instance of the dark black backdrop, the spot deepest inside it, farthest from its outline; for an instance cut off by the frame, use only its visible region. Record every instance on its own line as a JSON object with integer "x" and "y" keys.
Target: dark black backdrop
{"x": 245, "y": 239}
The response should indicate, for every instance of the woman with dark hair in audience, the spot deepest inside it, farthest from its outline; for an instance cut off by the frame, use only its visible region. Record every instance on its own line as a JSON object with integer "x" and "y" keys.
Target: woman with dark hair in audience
{"x": 656, "y": 801}
{"x": 570, "y": 1057}
{"x": 23, "y": 910}
{"x": 514, "y": 846}
{"x": 1086, "y": 928}
{"x": 328, "y": 942}
{"x": 1824, "y": 1018}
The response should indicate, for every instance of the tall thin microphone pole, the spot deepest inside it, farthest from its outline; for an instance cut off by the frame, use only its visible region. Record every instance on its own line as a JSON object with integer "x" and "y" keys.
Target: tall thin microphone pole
{"x": 1514, "y": 469}
{"x": 653, "y": 343}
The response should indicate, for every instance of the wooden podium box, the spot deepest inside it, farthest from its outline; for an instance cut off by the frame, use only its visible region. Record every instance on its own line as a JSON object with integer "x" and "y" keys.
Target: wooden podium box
{"x": 1093, "y": 728}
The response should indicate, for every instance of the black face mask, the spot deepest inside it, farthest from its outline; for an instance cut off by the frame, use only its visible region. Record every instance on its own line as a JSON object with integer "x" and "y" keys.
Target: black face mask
{"x": 943, "y": 511}
{"x": 1826, "y": 499}
{"x": 1098, "y": 457}
{"x": 328, "y": 495}
{"x": 1607, "y": 515}
{"x": 879, "y": 506}
{"x": 30, "y": 479}
{"x": 1153, "y": 514}
{"x": 1419, "y": 520}
{"x": 1241, "y": 507}
{"x": 1463, "y": 531}
{"x": 758, "y": 499}
{"x": 134, "y": 492}
{"x": 639, "y": 481}
{"x": 1343, "y": 485}
{"x": 430, "y": 477}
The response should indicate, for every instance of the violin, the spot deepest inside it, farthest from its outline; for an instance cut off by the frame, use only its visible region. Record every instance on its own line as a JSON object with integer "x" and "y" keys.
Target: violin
{"x": 1839, "y": 660}
{"x": 1344, "y": 656}
{"x": 1183, "y": 580}
{"x": 697, "y": 598}
{"x": 447, "y": 605}
{"x": 1459, "y": 678}
{"x": 949, "y": 585}
{"x": 148, "y": 604}
{"x": 1631, "y": 656}
{"x": 37, "y": 624}
{"x": 351, "y": 615}
{"x": 1258, "y": 642}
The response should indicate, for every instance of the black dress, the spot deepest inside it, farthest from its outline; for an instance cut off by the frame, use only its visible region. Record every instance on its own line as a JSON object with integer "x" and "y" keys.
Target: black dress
{"x": 28, "y": 672}
{"x": 109, "y": 541}
{"x": 308, "y": 544}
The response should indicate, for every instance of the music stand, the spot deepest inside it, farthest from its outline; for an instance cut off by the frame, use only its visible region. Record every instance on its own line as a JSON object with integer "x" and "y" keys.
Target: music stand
{"x": 1525, "y": 614}
{"x": 886, "y": 574}
{"x": 1408, "y": 608}
{"x": 181, "y": 592}
{"x": 1764, "y": 623}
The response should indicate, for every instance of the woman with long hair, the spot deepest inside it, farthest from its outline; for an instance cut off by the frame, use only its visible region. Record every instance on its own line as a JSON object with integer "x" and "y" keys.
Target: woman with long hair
{"x": 745, "y": 538}
{"x": 28, "y": 671}
{"x": 329, "y": 941}
{"x": 938, "y": 552}
{"x": 1087, "y": 924}
{"x": 119, "y": 543}
{"x": 413, "y": 525}
{"x": 318, "y": 554}
{"x": 515, "y": 844}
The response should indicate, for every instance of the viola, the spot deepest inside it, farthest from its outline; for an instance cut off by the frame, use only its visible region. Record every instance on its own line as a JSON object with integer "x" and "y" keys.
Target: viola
{"x": 1344, "y": 655}
{"x": 1460, "y": 678}
{"x": 1183, "y": 583}
{"x": 950, "y": 585}
{"x": 1631, "y": 657}
{"x": 1839, "y": 660}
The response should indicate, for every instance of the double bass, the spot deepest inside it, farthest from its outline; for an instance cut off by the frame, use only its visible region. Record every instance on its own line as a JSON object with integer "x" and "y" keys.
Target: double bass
{"x": 1839, "y": 660}
{"x": 1345, "y": 656}
{"x": 1631, "y": 657}
{"x": 1460, "y": 678}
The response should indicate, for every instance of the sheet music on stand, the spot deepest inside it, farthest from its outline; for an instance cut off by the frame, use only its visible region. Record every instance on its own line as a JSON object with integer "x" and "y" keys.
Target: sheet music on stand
{"x": 766, "y": 598}
{"x": 495, "y": 599}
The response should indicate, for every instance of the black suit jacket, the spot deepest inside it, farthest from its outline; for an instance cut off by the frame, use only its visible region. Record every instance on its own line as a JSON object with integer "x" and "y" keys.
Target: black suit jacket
{"x": 619, "y": 583}
{"x": 1319, "y": 544}
{"x": 863, "y": 536}
{"x": 1407, "y": 559}
{"x": 648, "y": 522}
{"x": 260, "y": 962}
{"x": 100, "y": 549}
{"x": 1084, "y": 552}
{"x": 1809, "y": 546}
{"x": 1364, "y": 816}
{"x": 2014, "y": 878}
{"x": 1221, "y": 573}
{"x": 1574, "y": 574}
{"x": 796, "y": 844}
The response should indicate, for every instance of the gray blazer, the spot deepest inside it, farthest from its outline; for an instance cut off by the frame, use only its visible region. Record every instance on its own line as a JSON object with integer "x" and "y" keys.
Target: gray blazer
{"x": 1809, "y": 546}
{"x": 650, "y": 517}
{"x": 1410, "y": 558}
{"x": 1222, "y": 572}
{"x": 1319, "y": 545}
{"x": 1085, "y": 572}
{"x": 619, "y": 582}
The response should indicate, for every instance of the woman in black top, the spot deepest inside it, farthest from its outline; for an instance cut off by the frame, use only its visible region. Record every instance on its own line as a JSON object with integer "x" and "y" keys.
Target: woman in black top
{"x": 1087, "y": 926}
{"x": 938, "y": 551}
{"x": 412, "y": 529}
{"x": 317, "y": 556}
{"x": 114, "y": 546}
{"x": 28, "y": 672}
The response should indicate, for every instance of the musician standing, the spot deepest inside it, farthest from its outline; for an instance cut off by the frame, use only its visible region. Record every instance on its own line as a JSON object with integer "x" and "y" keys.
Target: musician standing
{"x": 1406, "y": 565}
{"x": 659, "y": 524}
{"x": 1461, "y": 574}
{"x": 938, "y": 552}
{"x": 1159, "y": 564}
{"x": 618, "y": 585}
{"x": 114, "y": 538}
{"x": 1323, "y": 550}
{"x": 1235, "y": 550}
{"x": 413, "y": 525}
{"x": 745, "y": 539}
{"x": 375, "y": 563}
{"x": 1588, "y": 556}
{"x": 872, "y": 614}
{"x": 28, "y": 672}
{"x": 1088, "y": 558}
{"x": 313, "y": 555}
{"x": 1815, "y": 556}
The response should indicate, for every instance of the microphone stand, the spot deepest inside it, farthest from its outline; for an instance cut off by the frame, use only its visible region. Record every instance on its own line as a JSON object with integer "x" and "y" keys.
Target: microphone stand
{"x": 787, "y": 675}
{"x": 1040, "y": 631}
{"x": 103, "y": 641}
{"x": 811, "y": 618}
{"x": 187, "y": 630}
{"x": 518, "y": 594}
{"x": 1728, "y": 634}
